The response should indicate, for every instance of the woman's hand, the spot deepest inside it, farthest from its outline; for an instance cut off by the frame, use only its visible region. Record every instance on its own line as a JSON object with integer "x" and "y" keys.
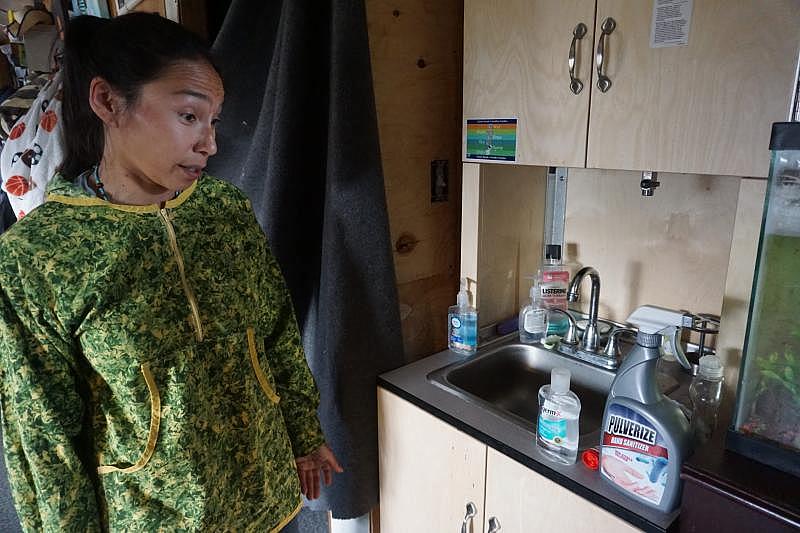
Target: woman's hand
{"x": 309, "y": 466}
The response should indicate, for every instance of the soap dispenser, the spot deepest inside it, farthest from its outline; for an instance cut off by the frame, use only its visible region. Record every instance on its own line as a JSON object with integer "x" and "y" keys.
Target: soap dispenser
{"x": 462, "y": 324}
{"x": 533, "y": 317}
{"x": 645, "y": 435}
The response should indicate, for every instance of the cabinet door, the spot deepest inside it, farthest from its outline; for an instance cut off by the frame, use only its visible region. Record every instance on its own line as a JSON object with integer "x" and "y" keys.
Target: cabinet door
{"x": 429, "y": 471}
{"x": 515, "y": 66}
{"x": 522, "y": 500}
{"x": 704, "y": 108}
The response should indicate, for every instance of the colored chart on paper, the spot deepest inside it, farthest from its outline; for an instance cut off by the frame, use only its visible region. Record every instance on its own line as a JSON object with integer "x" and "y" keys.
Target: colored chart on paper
{"x": 492, "y": 139}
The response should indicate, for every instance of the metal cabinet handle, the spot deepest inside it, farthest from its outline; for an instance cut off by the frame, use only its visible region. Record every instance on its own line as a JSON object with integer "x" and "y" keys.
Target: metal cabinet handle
{"x": 575, "y": 85}
{"x": 494, "y": 525}
{"x": 471, "y": 512}
{"x": 603, "y": 81}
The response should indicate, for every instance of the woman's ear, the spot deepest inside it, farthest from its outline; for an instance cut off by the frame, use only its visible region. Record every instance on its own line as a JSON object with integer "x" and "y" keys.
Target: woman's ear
{"x": 105, "y": 102}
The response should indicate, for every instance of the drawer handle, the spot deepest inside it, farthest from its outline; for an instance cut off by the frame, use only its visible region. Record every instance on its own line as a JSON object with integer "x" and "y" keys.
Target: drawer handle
{"x": 575, "y": 85}
{"x": 603, "y": 81}
{"x": 471, "y": 512}
{"x": 494, "y": 525}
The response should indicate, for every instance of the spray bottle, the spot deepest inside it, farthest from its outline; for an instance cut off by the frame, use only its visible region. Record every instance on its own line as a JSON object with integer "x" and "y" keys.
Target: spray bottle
{"x": 646, "y": 436}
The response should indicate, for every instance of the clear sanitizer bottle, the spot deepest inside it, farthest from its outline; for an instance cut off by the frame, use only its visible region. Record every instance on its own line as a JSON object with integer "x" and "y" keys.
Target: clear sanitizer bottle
{"x": 462, "y": 324}
{"x": 706, "y": 393}
{"x": 559, "y": 411}
{"x": 533, "y": 318}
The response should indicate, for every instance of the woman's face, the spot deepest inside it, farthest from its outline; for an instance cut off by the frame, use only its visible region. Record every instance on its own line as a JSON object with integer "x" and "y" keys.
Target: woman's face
{"x": 164, "y": 139}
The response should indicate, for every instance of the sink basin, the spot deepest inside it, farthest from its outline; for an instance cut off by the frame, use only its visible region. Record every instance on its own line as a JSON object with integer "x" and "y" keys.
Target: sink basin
{"x": 505, "y": 380}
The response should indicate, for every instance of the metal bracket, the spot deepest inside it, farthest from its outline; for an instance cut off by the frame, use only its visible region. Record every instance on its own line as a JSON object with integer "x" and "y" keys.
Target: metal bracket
{"x": 649, "y": 183}
{"x": 555, "y": 212}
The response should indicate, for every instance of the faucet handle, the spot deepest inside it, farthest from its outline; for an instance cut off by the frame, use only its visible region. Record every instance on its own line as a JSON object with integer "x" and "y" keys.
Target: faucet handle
{"x": 571, "y": 337}
{"x": 612, "y": 349}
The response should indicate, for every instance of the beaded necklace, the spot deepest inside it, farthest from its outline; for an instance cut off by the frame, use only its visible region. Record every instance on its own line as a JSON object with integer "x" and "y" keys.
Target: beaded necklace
{"x": 101, "y": 190}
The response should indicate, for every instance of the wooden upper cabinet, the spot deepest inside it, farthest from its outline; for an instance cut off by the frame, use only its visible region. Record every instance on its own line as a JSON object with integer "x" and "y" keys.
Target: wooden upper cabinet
{"x": 515, "y": 66}
{"x": 704, "y": 108}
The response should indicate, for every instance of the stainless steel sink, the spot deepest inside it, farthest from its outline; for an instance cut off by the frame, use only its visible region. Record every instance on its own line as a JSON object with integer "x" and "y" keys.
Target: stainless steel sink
{"x": 505, "y": 380}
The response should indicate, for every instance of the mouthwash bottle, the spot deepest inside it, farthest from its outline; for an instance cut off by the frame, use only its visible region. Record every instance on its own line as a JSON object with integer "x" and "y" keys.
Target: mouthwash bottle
{"x": 557, "y": 427}
{"x": 462, "y": 324}
{"x": 553, "y": 289}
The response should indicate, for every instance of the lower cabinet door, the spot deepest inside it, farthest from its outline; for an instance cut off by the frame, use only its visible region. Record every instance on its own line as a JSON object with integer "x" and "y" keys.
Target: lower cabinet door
{"x": 521, "y": 501}
{"x": 429, "y": 471}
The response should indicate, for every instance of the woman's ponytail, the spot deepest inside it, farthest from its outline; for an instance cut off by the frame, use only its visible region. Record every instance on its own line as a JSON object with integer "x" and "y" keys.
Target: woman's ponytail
{"x": 83, "y": 130}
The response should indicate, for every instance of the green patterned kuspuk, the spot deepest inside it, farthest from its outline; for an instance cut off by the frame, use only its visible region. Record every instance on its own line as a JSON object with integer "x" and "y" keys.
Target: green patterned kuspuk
{"x": 153, "y": 377}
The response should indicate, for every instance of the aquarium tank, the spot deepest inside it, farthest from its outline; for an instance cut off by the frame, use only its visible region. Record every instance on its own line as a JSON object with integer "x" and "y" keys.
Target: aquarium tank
{"x": 766, "y": 424}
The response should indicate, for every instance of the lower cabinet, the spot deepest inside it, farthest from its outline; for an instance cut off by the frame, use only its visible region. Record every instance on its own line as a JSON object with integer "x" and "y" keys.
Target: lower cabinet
{"x": 431, "y": 472}
{"x": 523, "y": 500}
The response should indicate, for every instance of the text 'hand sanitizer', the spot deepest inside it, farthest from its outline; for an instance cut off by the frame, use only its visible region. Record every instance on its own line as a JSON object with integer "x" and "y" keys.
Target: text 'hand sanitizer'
{"x": 646, "y": 436}
{"x": 557, "y": 426}
{"x": 462, "y": 324}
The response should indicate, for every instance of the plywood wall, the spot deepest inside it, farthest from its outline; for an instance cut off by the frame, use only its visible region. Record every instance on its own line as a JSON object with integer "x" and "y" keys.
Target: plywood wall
{"x": 691, "y": 246}
{"x": 416, "y": 66}
{"x": 502, "y": 227}
{"x": 150, "y": 6}
{"x": 671, "y": 249}
{"x": 739, "y": 282}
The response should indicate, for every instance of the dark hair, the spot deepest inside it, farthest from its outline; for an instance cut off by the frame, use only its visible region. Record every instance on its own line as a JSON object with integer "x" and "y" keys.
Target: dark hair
{"x": 128, "y": 52}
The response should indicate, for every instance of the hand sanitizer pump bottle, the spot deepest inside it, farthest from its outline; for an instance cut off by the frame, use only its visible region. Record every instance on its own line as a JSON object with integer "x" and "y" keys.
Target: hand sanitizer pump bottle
{"x": 533, "y": 317}
{"x": 462, "y": 324}
{"x": 645, "y": 435}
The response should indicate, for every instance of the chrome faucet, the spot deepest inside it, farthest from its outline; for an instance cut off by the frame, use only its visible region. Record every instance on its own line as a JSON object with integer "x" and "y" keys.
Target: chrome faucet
{"x": 590, "y": 335}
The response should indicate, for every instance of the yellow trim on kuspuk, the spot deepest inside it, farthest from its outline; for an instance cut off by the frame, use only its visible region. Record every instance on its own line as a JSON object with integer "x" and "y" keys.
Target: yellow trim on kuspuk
{"x": 93, "y": 201}
{"x": 187, "y": 289}
{"x": 289, "y": 518}
{"x": 152, "y": 437}
{"x": 262, "y": 378}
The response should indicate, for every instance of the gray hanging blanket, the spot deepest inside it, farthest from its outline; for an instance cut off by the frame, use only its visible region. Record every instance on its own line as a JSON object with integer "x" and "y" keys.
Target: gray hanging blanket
{"x": 299, "y": 136}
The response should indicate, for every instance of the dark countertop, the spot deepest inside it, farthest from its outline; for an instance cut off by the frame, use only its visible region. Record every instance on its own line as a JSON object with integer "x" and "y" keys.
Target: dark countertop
{"x": 410, "y": 382}
{"x": 743, "y": 479}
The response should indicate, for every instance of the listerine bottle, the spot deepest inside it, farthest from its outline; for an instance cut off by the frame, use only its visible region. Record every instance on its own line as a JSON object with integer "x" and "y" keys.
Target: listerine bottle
{"x": 553, "y": 289}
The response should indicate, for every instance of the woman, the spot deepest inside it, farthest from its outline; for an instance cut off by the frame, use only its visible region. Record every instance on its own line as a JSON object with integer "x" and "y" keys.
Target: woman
{"x": 152, "y": 372}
